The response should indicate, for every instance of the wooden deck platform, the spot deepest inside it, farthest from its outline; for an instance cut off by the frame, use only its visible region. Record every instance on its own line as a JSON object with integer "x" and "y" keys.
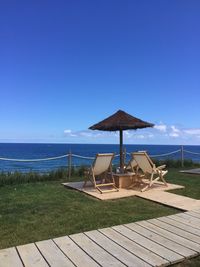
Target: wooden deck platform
{"x": 91, "y": 191}
{"x": 156, "y": 242}
{"x": 156, "y": 194}
{"x": 192, "y": 171}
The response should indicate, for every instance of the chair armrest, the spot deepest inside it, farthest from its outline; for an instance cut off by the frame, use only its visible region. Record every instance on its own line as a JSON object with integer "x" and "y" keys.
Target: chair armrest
{"x": 161, "y": 167}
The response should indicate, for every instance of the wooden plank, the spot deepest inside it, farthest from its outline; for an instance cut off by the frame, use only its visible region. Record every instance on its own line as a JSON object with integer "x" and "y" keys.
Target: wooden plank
{"x": 190, "y": 219}
{"x": 170, "y": 199}
{"x": 187, "y": 214}
{"x": 117, "y": 251}
{"x": 180, "y": 225}
{"x": 193, "y": 214}
{"x": 31, "y": 256}
{"x": 191, "y": 246}
{"x": 165, "y": 242}
{"x": 185, "y": 221}
{"x": 9, "y": 258}
{"x": 74, "y": 252}
{"x": 176, "y": 230}
{"x": 147, "y": 243}
{"x": 137, "y": 250}
{"x": 95, "y": 251}
{"x": 53, "y": 255}
{"x": 196, "y": 210}
{"x": 165, "y": 254}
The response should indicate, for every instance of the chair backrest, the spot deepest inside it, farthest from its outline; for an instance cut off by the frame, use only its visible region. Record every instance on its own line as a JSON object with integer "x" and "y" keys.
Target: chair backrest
{"x": 102, "y": 163}
{"x": 132, "y": 164}
{"x": 143, "y": 161}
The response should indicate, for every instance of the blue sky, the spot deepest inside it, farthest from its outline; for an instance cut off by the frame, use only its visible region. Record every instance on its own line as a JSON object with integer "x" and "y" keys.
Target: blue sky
{"x": 65, "y": 65}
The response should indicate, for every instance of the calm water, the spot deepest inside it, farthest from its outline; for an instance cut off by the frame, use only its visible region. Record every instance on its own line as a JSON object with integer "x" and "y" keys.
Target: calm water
{"x": 39, "y": 151}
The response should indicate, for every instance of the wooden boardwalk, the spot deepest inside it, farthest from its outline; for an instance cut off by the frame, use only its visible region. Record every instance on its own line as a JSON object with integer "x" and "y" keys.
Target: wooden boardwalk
{"x": 171, "y": 200}
{"x": 156, "y": 242}
{"x": 192, "y": 171}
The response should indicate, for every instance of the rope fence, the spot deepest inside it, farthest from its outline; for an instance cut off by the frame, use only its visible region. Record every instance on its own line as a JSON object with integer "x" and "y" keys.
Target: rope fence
{"x": 34, "y": 160}
{"x": 190, "y": 152}
{"x": 52, "y": 158}
{"x": 69, "y": 157}
{"x": 82, "y": 157}
{"x": 162, "y": 155}
{"x": 166, "y": 154}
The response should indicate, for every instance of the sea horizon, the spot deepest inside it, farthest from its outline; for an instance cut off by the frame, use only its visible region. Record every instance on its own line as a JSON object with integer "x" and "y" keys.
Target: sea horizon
{"x": 77, "y": 143}
{"x": 43, "y": 154}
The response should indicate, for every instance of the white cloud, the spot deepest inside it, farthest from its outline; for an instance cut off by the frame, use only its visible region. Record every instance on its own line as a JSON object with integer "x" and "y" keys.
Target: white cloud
{"x": 161, "y": 127}
{"x": 140, "y": 136}
{"x": 175, "y": 129}
{"x": 174, "y": 134}
{"x": 68, "y": 131}
{"x": 150, "y": 135}
{"x": 86, "y": 134}
{"x": 193, "y": 131}
{"x": 128, "y": 134}
{"x": 160, "y": 134}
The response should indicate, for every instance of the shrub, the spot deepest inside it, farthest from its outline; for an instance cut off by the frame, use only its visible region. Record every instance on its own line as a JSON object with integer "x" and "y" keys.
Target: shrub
{"x": 9, "y": 178}
{"x": 77, "y": 173}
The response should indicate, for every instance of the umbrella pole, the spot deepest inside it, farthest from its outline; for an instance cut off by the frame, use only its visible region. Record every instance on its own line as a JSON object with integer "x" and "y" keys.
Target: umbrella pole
{"x": 121, "y": 151}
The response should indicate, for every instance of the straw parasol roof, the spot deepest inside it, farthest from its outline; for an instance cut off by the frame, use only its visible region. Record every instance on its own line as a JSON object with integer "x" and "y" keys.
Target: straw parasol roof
{"x": 120, "y": 121}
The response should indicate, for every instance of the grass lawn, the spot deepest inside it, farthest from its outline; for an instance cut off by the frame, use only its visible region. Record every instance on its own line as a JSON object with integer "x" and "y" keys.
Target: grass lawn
{"x": 190, "y": 181}
{"x": 36, "y": 211}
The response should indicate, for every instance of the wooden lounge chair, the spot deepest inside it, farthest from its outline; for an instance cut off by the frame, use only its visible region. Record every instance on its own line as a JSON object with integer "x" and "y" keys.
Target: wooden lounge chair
{"x": 133, "y": 168}
{"x": 100, "y": 173}
{"x": 149, "y": 169}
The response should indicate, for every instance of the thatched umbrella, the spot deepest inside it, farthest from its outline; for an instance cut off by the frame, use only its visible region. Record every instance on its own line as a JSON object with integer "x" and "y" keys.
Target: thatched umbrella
{"x": 120, "y": 121}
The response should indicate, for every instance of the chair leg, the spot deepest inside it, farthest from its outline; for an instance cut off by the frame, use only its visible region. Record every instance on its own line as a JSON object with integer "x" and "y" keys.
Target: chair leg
{"x": 162, "y": 178}
{"x": 87, "y": 179}
{"x": 154, "y": 180}
{"x": 151, "y": 182}
{"x": 145, "y": 188}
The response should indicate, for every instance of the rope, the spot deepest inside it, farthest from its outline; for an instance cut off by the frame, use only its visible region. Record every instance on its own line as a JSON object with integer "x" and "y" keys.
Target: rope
{"x": 166, "y": 154}
{"x": 46, "y": 159}
{"x": 90, "y": 158}
{"x": 82, "y": 157}
{"x": 161, "y": 155}
{"x": 195, "y": 153}
{"x": 34, "y": 160}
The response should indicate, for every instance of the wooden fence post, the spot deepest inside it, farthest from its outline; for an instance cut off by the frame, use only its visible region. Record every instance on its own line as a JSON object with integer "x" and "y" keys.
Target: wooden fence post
{"x": 69, "y": 164}
{"x": 182, "y": 156}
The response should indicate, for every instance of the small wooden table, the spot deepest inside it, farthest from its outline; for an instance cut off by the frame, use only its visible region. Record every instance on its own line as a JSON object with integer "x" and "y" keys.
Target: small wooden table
{"x": 123, "y": 180}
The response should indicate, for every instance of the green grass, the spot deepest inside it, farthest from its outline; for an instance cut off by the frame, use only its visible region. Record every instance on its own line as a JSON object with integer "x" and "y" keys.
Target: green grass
{"x": 194, "y": 262}
{"x": 190, "y": 181}
{"x": 42, "y": 210}
{"x": 36, "y": 211}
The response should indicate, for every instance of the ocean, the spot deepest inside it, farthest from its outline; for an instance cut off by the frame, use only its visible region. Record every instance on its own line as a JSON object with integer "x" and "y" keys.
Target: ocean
{"x": 41, "y": 151}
